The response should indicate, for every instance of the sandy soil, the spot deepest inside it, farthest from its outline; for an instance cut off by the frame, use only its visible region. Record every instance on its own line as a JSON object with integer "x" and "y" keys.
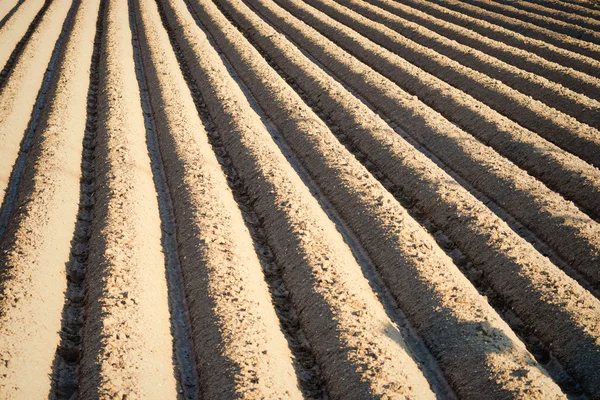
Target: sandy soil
{"x": 285, "y": 199}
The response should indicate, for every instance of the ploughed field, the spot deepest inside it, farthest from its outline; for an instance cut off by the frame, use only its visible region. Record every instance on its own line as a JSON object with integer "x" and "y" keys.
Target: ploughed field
{"x": 318, "y": 199}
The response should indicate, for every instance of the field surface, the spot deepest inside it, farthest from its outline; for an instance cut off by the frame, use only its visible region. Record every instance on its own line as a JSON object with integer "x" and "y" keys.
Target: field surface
{"x": 299, "y": 199}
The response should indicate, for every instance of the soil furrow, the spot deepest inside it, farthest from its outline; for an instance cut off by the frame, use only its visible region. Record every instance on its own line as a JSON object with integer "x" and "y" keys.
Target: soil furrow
{"x": 65, "y": 373}
{"x": 540, "y": 47}
{"x": 15, "y": 32}
{"x": 456, "y": 91}
{"x": 337, "y": 106}
{"x": 412, "y": 170}
{"x": 340, "y": 177}
{"x": 308, "y": 372}
{"x": 587, "y": 48}
{"x": 477, "y": 72}
{"x": 561, "y": 171}
{"x": 530, "y": 202}
{"x": 567, "y": 7}
{"x": 183, "y": 357}
{"x": 427, "y": 362}
{"x": 299, "y": 199}
{"x": 12, "y": 186}
{"x": 37, "y": 244}
{"x": 526, "y": 60}
{"x": 519, "y": 294}
{"x": 334, "y": 300}
{"x": 588, "y": 4}
{"x": 569, "y": 15}
{"x": 472, "y": 271}
{"x": 568, "y": 77}
{"x": 579, "y": 30}
{"x": 21, "y": 100}
{"x": 127, "y": 343}
{"x": 230, "y": 293}
{"x": 339, "y": 96}
{"x": 319, "y": 86}
{"x": 7, "y": 10}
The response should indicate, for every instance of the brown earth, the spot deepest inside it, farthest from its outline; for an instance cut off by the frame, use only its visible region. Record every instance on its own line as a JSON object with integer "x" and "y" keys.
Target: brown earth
{"x": 269, "y": 199}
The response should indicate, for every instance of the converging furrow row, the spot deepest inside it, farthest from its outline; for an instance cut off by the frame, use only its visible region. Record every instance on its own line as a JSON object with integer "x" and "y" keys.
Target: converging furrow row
{"x": 312, "y": 199}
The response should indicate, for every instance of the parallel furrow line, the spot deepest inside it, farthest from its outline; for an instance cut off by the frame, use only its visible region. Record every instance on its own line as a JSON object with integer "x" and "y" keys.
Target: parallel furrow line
{"x": 519, "y": 293}
{"x": 478, "y": 44}
{"x": 468, "y": 98}
{"x": 183, "y": 357}
{"x": 390, "y": 128}
{"x": 65, "y": 374}
{"x": 127, "y": 341}
{"x": 589, "y": 4}
{"x": 7, "y": 10}
{"x": 15, "y": 33}
{"x": 549, "y": 9}
{"x": 578, "y": 31}
{"x": 308, "y": 372}
{"x": 39, "y": 241}
{"x": 570, "y": 7}
{"x": 326, "y": 283}
{"x": 542, "y": 48}
{"x": 561, "y": 171}
{"x": 471, "y": 270}
{"x": 339, "y": 175}
{"x": 457, "y": 64}
{"x": 22, "y": 99}
{"x": 587, "y": 48}
{"x": 527, "y": 199}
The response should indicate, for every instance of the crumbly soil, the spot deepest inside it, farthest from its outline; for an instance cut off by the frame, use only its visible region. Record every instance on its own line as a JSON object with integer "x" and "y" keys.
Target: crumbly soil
{"x": 285, "y": 199}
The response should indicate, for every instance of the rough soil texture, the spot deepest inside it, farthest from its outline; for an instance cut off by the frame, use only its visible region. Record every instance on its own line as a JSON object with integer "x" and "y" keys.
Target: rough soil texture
{"x": 127, "y": 348}
{"x": 229, "y": 288}
{"x": 526, "y": 198}
{"x": 502, "y": 35}
{"x": 37, "y": 244}
{"x": 556, "y": 168}
{"x": 580, "y": 41}
{"x": 286, "y": 199}
{"x": 426, "y": 24}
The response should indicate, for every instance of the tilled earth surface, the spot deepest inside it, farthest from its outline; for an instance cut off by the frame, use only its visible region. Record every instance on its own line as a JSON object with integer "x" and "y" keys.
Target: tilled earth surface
{"x": 316, "y": 199}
